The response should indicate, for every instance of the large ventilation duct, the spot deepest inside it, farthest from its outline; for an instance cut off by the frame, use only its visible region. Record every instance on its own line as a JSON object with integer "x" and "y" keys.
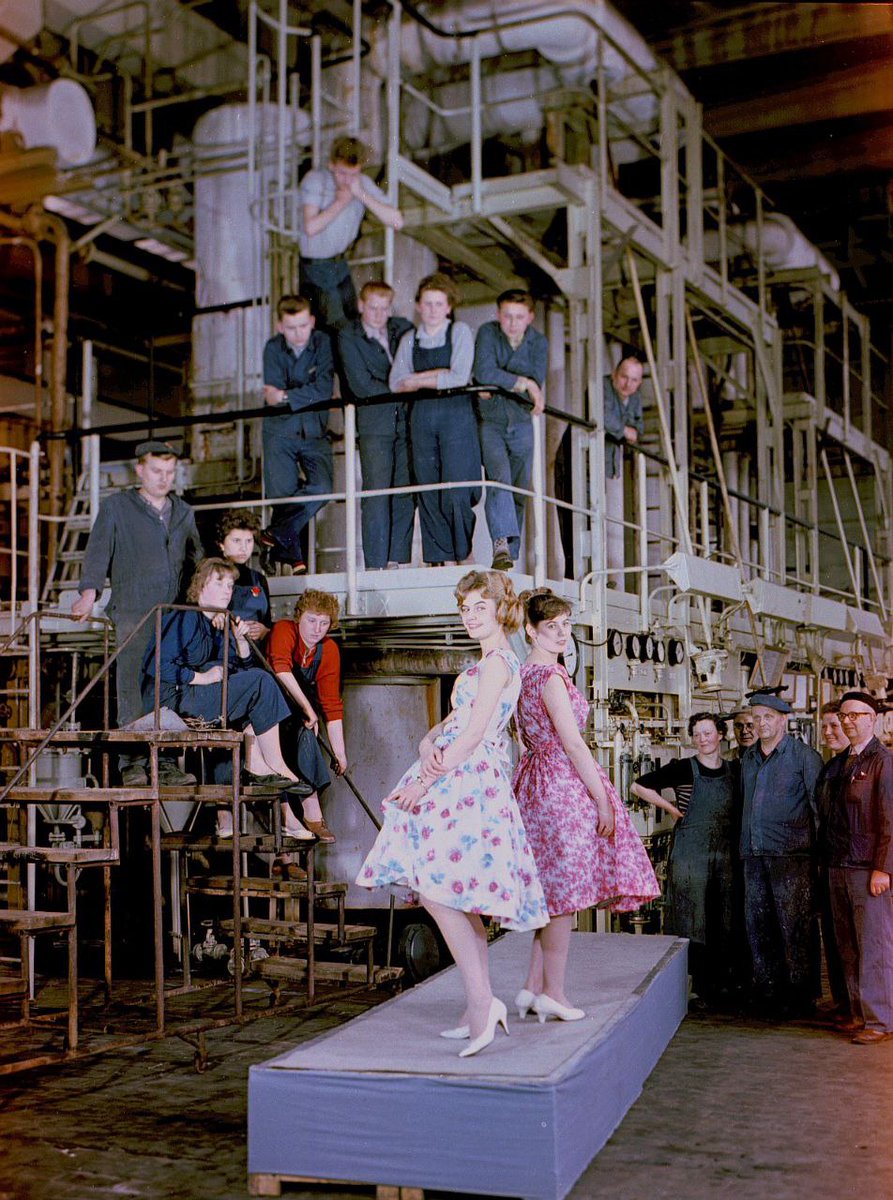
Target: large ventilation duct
{"x": 230, "y": 264}
{"x": 574, "y": 39}
{"x": 57, "y": 114}
{"x": 565, "y": 34}
{"x": 783, "y": 246}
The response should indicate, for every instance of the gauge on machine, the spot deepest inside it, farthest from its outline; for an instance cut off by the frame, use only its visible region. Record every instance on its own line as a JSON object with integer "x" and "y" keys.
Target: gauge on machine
{"x": 571, "y": 657}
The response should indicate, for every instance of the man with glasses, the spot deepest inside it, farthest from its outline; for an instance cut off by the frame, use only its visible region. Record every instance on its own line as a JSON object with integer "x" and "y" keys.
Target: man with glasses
{"x": 745, "y": 733}
{"x": 857, "y": 844}
{"x": 778, "y": 775}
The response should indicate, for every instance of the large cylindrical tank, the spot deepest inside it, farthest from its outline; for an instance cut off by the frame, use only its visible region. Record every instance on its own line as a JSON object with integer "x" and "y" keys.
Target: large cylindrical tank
{"x": 58, "y": 114}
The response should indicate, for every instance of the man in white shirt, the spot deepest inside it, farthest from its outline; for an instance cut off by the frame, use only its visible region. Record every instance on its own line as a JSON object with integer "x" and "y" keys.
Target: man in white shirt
{"x": 334, "y": 201}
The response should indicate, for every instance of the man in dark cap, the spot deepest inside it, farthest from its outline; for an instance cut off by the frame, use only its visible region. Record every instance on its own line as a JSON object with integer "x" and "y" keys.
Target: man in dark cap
{"x": 857, "y": 844}
{"x": 142, "y": 540}
{"x": 778, "y": 775}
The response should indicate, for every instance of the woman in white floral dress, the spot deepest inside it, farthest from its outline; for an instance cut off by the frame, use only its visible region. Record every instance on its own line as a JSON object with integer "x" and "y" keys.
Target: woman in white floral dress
{"x": 452, "y": 831}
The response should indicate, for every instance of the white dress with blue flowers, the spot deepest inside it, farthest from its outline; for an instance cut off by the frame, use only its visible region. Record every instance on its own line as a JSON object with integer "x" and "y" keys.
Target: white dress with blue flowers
{"x": 463, "y": 844}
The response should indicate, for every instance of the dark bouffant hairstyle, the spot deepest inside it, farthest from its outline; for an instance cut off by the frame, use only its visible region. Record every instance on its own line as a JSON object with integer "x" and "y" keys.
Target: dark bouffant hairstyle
{"x": 719, "y": 722}
{"x": 541, "y": 604}
{"x": 207, "y": 568}
{"x": 832, "y": 708}
{"x": 494, "y": 585}
{"x": 438, "y": 282}
{"x": 317, "y": 601}
{"x": 238, "y": 518}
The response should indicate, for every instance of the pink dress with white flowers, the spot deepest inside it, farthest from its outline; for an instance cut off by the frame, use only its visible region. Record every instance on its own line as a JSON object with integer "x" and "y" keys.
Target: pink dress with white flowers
{"x": 577, "y": 867}
{"x": 463, "y": 845}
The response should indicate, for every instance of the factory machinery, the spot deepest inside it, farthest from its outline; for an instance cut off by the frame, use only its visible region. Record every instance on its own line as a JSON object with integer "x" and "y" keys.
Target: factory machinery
{"x": 536, "y": 144}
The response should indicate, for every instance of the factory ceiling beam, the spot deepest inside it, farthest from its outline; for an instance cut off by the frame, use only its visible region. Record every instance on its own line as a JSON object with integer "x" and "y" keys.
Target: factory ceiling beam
{"x": 758, "y": 31}
{"x": 854, "y": 92}
{"x": 866, "y": 149}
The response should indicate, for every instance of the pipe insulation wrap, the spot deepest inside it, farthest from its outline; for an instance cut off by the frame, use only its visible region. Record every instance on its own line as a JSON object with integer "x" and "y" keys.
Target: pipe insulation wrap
{"x": 58, "y": 114}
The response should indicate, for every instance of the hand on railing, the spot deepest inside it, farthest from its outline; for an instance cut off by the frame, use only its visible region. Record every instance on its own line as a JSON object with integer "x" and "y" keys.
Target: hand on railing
{"x": 83, "y": 606}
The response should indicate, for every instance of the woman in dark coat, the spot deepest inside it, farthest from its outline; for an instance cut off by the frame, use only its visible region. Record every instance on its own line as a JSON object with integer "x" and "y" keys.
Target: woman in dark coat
{"x": 702, "y": 879}
{"x": 190, "y": 670}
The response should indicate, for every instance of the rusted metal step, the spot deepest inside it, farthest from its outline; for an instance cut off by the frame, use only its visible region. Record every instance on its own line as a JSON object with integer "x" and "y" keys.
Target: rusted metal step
{"x": 324, "y": 934}
{"x": 23, "y": 920}
{"x": 222, "y": 885}
{"x": 295, "y": 969}
{"x": 75, "y": 856}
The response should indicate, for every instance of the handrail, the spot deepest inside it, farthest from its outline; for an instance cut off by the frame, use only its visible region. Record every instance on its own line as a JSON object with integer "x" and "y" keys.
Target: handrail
{"x": 103, "y": 672}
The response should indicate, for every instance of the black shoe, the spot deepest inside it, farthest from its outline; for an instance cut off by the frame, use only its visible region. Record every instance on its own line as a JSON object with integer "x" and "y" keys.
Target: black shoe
{"x": 170, "y": 775}
{"x": 135, "y": 776}
{"x": 279, "y": 782}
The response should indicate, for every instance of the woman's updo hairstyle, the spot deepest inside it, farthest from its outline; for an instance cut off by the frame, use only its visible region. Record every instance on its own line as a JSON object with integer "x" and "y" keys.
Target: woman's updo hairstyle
{"x": 541, "y": 604}
{"x": 697, "y": 718}
{"x": 494, "y": 585}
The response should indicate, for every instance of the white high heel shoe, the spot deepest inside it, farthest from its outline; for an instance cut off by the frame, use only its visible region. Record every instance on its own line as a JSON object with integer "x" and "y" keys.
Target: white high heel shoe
{"x": 496, "y": 1016}
{"x": 458, "y": 1034}
{"x": 292, "y": 828}
{"x": 524, "y": 1002}
{"x": 544, "y": 1006}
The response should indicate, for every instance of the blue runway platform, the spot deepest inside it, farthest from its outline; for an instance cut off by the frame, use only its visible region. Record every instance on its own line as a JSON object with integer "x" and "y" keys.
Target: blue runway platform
{"x": 384, "y": 1100}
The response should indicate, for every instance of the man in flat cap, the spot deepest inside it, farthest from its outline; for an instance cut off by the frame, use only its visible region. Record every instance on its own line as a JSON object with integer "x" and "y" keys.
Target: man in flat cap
{"x": 778, "y": 775}
{"x": 857, "y": 845}
{"x": 142, "y": 540}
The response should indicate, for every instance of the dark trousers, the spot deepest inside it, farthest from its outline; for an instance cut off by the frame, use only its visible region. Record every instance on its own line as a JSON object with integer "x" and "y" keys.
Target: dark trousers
{"x": 252, "y": 698}
{"x": 387, "y": 520}
{"x": 327, "y": 284}
{"x": 128, "y": 681}
{"x": 295, "y": 466}
{"x": 445, "y": 446}
{"x": 779, "y": 912}
{"x": 863, "y": 925}
{"x": 836, "y": 978}
{"x": 507, "y": 453}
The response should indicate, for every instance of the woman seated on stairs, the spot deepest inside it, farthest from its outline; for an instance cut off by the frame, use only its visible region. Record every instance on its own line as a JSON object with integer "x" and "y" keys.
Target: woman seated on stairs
{"x": 190, "y": 669}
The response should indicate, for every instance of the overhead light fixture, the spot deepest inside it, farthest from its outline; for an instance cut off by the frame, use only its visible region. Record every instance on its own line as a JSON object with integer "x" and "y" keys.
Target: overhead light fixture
{"x": 770, "y": 600}
{"x": 865, "y": 624}
{"x": 64, "y": 207}
{"x": 161, "y": 250}
{"x": 703, "y": 577}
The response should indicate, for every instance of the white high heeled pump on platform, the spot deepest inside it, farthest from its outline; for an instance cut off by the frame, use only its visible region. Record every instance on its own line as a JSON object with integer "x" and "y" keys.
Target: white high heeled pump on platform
{"x": 458, "y": 1034}
{"x": 496, "y": 1016}
{"x": 544, "y": 1006}
{"x": 524, "y": 1002}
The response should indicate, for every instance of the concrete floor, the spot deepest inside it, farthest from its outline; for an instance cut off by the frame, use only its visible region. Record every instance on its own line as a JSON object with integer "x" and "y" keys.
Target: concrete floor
{"x": 734, "y": 1109}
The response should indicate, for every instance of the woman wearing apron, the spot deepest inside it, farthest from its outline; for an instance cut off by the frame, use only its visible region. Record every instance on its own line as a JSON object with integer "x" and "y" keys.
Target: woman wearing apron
{"x": 237, "y": 536}
{"x": 308, "y": 664}
{"x": 703, "y": 900}
{"x": 443, "y": 429}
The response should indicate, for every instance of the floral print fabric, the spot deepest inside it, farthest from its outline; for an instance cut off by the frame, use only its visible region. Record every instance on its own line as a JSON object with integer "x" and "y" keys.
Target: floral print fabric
{"x": 577, "y": 867}
{"x": 463, "y": 845}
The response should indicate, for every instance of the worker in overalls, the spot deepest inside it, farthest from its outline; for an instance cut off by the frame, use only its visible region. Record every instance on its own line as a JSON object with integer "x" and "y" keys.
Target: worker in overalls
{"x": 703, "y": 886}
{"x": 443, "y": 429}
{"x": 307, "y": 662}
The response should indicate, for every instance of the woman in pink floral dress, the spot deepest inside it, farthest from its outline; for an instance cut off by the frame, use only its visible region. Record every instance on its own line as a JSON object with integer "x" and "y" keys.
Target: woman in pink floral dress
{"x": 586, "y": 849}
{"x": 452, "y": 831}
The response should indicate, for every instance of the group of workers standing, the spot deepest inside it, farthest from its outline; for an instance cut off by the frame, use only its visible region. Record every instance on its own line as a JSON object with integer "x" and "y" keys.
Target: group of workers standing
{"x": 744, "y": 880}
{"x": 439, "y": 434}
{"x": 772, "y": 843}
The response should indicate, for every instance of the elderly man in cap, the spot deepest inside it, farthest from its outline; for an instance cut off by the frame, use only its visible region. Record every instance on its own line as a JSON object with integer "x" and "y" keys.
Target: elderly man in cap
{"x": 142, "y": 540}
{"x": 857, "y": 844}
{"x": 778, "y": 775}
